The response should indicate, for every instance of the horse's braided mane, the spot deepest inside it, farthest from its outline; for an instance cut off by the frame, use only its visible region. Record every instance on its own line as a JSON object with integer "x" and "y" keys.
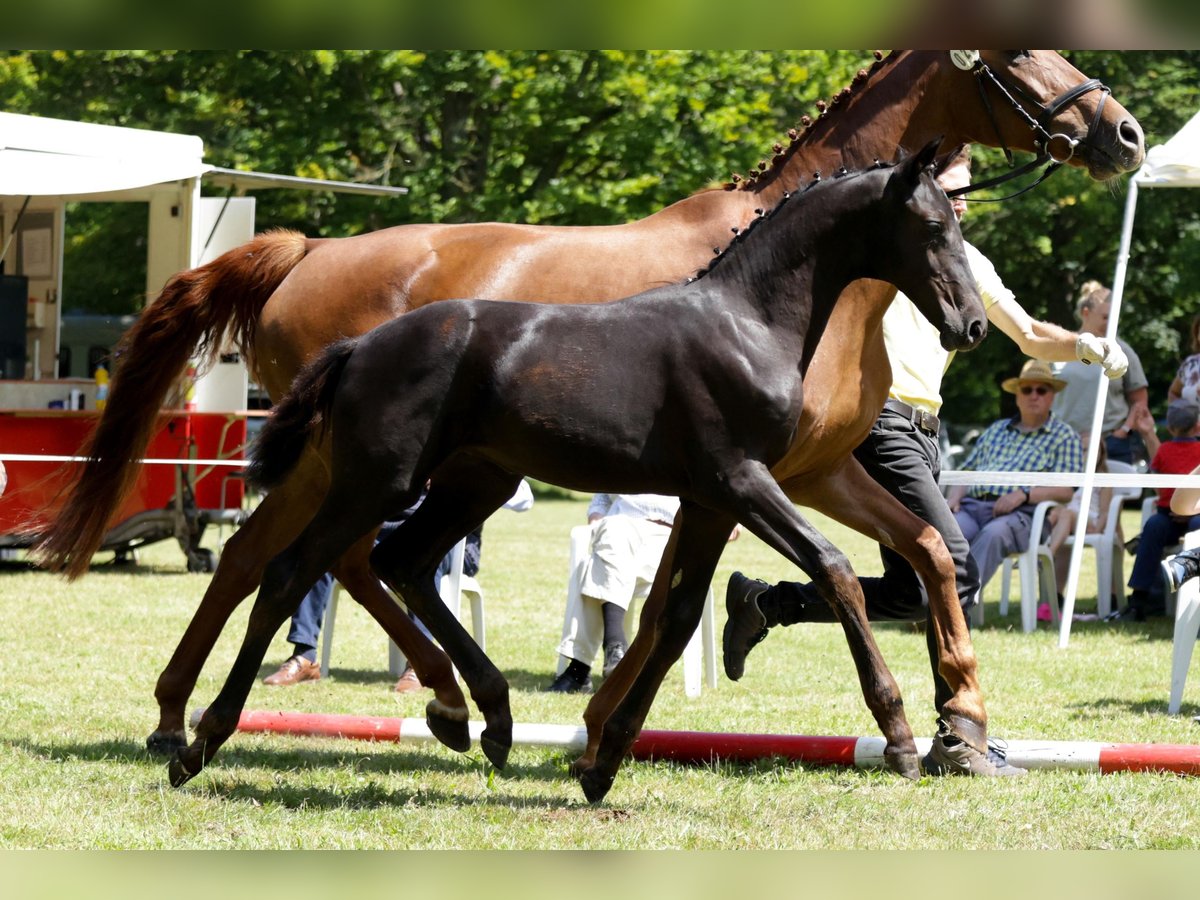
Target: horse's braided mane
{"x": 780, "y": 154}
{"x": 739, "y": 235}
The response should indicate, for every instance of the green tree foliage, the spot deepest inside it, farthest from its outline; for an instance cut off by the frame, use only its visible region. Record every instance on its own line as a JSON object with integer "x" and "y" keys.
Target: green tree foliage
{"x": 598, "y": 137}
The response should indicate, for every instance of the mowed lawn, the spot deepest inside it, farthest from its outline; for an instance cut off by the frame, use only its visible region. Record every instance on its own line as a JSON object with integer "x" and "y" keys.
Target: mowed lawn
{"x": 78, "y": 663}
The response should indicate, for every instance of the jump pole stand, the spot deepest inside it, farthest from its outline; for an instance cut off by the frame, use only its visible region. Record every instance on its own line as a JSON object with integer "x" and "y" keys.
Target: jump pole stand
{"x": 703, "y": 747}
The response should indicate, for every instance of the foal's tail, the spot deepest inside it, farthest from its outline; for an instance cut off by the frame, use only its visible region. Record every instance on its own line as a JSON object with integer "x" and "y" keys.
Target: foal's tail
{"x": 191, "y": 317}
{"x": 298, "y": 415}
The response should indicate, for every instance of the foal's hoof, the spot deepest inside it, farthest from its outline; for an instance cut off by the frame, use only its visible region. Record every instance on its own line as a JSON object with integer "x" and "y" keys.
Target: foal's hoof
{"x": 495, "y": 750}
{"x": 903, "y": 762}
{"x": 454, "y": 733}
{"x": 595, "y": 785}
{"x": 177, "y": 772}
{"x": 165, "y": 743}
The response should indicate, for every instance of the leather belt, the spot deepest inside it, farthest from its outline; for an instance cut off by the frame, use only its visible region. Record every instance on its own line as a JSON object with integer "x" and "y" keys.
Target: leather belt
{"x": 926, "y": 421}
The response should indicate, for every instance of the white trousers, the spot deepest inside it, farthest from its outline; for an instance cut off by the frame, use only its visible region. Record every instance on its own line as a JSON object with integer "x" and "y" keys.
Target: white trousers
{"x": 625, "y": 553}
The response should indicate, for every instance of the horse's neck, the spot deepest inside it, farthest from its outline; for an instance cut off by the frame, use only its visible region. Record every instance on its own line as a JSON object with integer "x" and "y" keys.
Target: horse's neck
{"x": 893, "y": 110}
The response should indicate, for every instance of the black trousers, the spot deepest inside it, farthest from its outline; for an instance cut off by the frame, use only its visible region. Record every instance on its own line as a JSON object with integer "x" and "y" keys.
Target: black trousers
{"x": 906, "y": 462}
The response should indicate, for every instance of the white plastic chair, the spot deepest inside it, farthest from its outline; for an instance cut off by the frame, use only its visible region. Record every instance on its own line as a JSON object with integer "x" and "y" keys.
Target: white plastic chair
{"x": 453, "y": 587}
{"x": 1035, "y": 567}
{"x": 1187, "y": 627}
{"x": 702, "y": 648}
{"x": 1110, "y": 551}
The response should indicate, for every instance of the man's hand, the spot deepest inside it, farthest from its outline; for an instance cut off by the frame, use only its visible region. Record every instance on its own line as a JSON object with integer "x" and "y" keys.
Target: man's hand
{"x": 1092, "y": 349}
{"x": 1009, "y": 502}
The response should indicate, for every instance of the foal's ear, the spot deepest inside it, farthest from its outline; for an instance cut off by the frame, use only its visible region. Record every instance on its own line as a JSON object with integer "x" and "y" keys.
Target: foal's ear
{"x": 911, "y": 169}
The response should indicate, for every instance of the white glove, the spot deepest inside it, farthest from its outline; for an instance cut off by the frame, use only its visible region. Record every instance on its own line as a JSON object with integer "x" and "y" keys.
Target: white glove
{"x": 1092, "y": 349}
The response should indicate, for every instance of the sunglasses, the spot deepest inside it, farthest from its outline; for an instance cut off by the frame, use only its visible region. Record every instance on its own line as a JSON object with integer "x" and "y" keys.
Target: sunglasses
{"x": 1039, "y": 389}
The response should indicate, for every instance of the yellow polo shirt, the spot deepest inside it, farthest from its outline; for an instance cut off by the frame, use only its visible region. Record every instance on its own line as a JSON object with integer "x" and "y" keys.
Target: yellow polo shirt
{"x": 914, "y": 347}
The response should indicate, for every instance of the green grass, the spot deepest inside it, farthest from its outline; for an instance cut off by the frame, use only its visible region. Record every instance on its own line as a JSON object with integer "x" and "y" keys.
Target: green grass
{"x": 78, "y": 665}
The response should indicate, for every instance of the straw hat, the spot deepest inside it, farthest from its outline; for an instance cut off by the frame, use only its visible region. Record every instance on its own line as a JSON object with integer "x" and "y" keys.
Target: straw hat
{"x": 1034, "y": 371}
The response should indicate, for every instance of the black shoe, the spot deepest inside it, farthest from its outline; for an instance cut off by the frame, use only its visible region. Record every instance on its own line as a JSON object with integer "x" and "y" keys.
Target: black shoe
{"x": 613, "y": 654}
{"x": 1178, "y": 569}
{"x": 566, "y": 683}
{"x": 745, "y": 626}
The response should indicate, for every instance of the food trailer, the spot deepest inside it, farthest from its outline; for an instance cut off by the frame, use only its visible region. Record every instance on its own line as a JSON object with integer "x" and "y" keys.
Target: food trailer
{"x": 48, "y": 384}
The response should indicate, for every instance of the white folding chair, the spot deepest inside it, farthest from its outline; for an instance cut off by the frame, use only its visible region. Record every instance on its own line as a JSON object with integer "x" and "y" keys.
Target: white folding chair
{"x": 1035, "y": 567}
{"x": 1187, "y": 627}
{"x": 453, "y": 587}
{"x": 702, "y": 648}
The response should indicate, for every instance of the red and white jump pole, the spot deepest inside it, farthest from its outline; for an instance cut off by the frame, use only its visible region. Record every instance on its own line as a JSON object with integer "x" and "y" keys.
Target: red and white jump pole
{"x": 697, "y": 746}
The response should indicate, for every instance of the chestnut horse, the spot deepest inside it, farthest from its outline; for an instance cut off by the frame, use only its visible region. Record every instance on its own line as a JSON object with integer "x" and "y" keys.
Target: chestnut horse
{"x": 704, "y": 403}
{"x": 282, "y": 297}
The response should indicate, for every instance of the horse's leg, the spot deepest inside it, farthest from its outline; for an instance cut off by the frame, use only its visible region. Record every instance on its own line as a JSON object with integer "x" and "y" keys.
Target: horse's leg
{"x": 342, "y": 520}
{"x": 766, "y": 511}
{"x": 446, "y": 714}
{"x": 698, "y": 537}
{"x": 853, "y": 498}
{"x": 615, "y": 686}
{"x": 464, "y": 492}
{"x": 271, "y": 527}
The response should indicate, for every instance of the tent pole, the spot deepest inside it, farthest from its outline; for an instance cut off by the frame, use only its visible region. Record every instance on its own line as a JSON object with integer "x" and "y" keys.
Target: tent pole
{"x": 1089, "y": 469}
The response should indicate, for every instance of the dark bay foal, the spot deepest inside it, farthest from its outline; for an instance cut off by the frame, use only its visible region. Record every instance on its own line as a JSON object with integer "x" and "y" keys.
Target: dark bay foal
{"x": 694, "y": 390}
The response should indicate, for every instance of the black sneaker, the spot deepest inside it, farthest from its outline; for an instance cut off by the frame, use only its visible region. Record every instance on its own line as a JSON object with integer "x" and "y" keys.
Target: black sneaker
{"x": 613, "y": 654}
{"x": 566, "y": 683}
{"x": 950, "y": 755}
{"x": 1178, "y": 569}
{"x": 745, "y": 626}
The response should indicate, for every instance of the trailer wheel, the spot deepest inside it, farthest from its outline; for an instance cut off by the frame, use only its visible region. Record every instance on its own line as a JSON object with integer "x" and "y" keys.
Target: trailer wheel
{"x": 202, "y": 560}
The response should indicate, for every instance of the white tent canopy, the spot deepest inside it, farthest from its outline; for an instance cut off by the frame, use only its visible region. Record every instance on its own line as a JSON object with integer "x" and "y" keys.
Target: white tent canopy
{"x": 1173, "y": 164}
{"x": 41, "y": 157}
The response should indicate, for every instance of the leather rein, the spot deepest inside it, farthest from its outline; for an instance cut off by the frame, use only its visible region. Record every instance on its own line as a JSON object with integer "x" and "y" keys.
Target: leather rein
{"x": 1052, "y": 149}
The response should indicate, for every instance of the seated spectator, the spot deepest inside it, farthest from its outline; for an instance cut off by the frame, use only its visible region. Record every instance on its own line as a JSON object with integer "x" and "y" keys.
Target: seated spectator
{"x": 1185, "y": 565}
{"x": 1127, "y": 395}
{"x": 306, "y": 622}
{"x": 1177, "y": 456}
{"x": 1186, "y": 385}
{"x": 997, "y": 519}
{"x": 629, "y": 534}
{"x": 1062, "y": 525}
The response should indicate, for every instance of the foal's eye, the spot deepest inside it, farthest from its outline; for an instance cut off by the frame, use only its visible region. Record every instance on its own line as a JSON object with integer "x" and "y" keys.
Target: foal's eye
{"x": 934, "y": 227}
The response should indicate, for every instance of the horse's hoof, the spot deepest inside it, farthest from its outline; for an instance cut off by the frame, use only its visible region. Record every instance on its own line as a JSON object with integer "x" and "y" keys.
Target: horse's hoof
{"x": 904, "y": 762}
{"x": 595, "y": 785}
{"x": 496, "y": 751}
{"x": 165, "y": 743}
{"x": 454, "y": 733}
{"x": 581, "y": 765}
{"x": 177, "y": 772}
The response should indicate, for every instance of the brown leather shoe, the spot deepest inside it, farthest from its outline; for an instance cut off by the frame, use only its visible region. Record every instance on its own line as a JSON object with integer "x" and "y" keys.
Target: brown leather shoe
{"x": 409, "y": 683}
{"x": 293, "y": 671}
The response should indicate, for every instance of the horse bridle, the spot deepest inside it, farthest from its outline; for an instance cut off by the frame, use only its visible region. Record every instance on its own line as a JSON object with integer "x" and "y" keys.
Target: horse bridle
{"x": 1044, "y": 143}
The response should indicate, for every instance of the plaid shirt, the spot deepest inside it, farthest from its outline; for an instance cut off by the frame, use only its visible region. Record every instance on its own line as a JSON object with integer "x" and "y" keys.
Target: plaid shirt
{"x": 1003, "y": 447}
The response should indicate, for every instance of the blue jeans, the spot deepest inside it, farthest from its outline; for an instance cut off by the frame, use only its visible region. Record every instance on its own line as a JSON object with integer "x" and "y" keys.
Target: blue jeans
{"x": 1160, "y": 531}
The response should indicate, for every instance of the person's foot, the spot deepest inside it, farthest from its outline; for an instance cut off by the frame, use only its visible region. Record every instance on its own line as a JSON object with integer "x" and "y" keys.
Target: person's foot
{"x": 1043, "y": 612}
{"x": 294, "y": 670}
{"x": 408, "y": 683}
{"x": 950, "y": 755}
{"x": 566, "y": 683}
{"x": 613, "y": 654}
{"x": 745, "y": 625}
{"x": 1178, "y": 569}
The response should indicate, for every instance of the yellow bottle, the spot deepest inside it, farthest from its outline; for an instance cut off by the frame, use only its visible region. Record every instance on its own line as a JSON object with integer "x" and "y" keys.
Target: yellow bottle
{"x": 101, "y": 388}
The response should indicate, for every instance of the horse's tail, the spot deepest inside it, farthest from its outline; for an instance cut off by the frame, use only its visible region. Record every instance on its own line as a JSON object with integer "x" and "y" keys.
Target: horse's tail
{"x": 298, "y": 415}
{"x": 191, "y": 317}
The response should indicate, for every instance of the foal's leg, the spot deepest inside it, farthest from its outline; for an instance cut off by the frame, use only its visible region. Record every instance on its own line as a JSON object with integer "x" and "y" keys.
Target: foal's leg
{"x": 446, "y": 714}
{"x": 615, "y": 686}
{"x": 766, "y": 511}
{"x": 853, "y": 498}
{"x": 464, "y": 492}
{"x": 340, "y": 522}
{"x": 271, "y": 527}
{"x": 698, "y": 538}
